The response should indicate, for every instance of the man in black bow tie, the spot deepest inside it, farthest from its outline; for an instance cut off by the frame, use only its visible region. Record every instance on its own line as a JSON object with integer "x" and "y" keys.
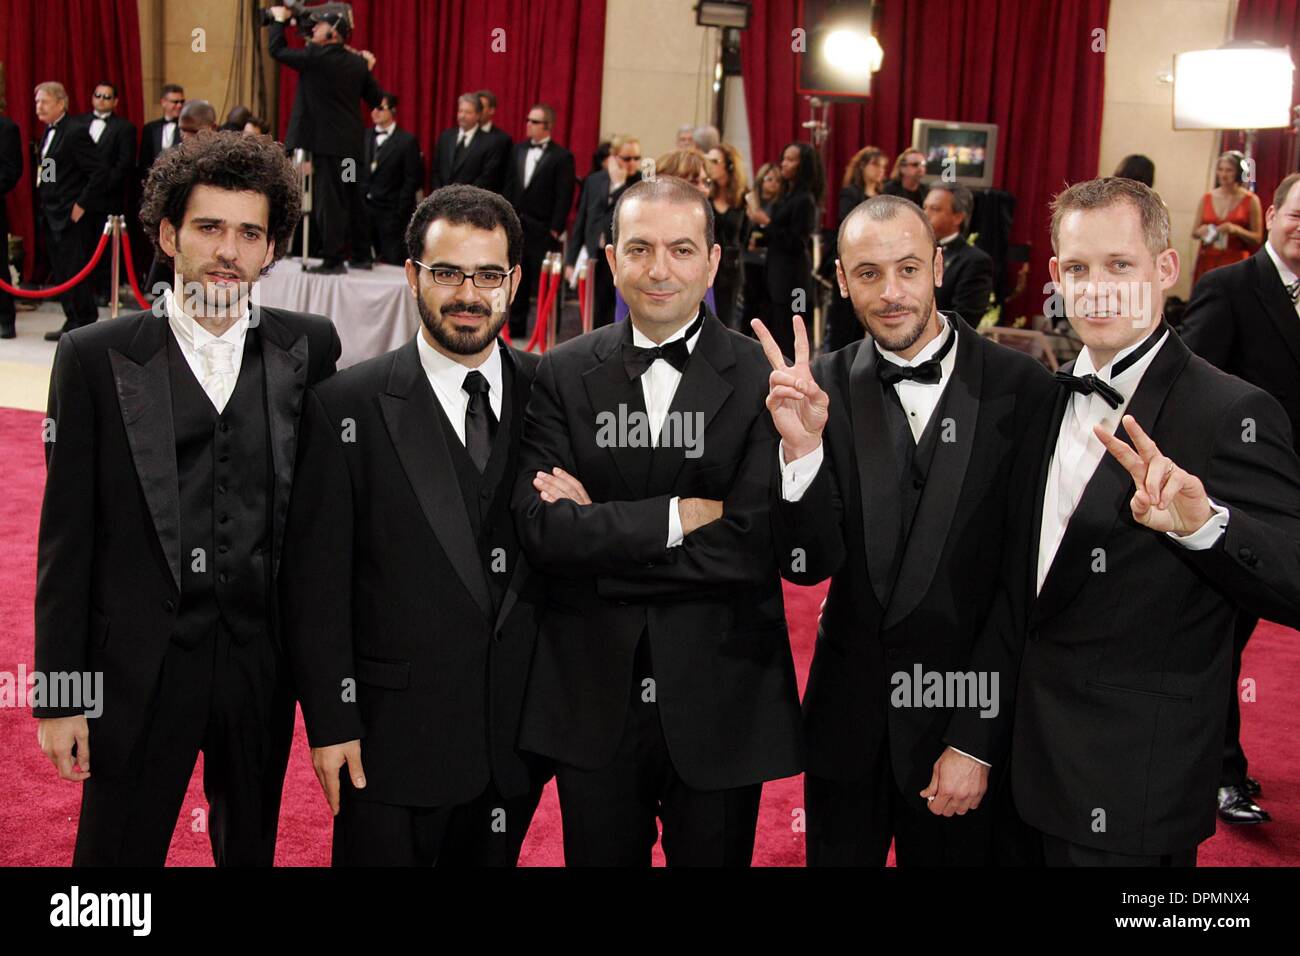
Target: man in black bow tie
{"x": 894, "y": 462}
{"x": 663, "y": 682}
{"x": 1113, "y": 626}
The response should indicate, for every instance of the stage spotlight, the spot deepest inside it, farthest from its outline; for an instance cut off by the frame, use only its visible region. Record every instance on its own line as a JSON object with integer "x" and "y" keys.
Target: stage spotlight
{"x": 841, "y": 52}
{"x": 732, "y": 14}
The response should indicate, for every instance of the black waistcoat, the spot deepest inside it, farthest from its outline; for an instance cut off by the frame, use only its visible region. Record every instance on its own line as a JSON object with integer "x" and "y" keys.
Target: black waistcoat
{"x": 224, "y": 465}
{"x": 487, "y": 495}
{"x": 914, "y": 460}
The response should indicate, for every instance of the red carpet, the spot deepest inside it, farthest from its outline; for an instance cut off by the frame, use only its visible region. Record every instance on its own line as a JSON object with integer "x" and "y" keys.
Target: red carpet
{"x": 38, "y": 817}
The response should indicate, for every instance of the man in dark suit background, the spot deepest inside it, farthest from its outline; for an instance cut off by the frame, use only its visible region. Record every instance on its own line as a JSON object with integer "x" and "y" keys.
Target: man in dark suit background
{"x": 173, "y": 436}
{"x": 155, "y": 136}
{"x": 539, "y": 184}
{"x": 394, "y": 171}
{"x": 662, "y": 683}
{"x": 967, "y": 269}
{"x": 499, "y": 138}
{"x": 591, "y": 226}
{"x": 11, "y": 170}
{"x": 114, "y": 137}
{"x": 900, "y": 499}
{"x": 71, "y": 192}
{"x": 465, "y": 154}
{"x": 404, "y": 578}
{"x": 1243, "y": 319}
{"x": 325, "y": 121}
{"x": 1158, "y": 497}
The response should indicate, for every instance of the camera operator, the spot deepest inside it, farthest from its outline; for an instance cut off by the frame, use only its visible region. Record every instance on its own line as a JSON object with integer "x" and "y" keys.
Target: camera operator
{"x": 326, "y": 121}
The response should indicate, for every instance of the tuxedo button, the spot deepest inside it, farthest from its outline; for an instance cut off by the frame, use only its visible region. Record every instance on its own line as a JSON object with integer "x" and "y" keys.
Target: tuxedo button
{"x": 223, "y": 519}
{"x": 223, "y": 577}
{"x": 223, "y": 548}
{"x": 169, "y": 606}
{"x": 485, "y": 494}
{"x": 1247, "y": 556}
{"x": 225, "y": 426}
{"x": 221, "y": 489}
{"x": 223, "y": 458}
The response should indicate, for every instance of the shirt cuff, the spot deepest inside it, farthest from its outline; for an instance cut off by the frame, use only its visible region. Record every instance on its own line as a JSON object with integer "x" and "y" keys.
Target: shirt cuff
{"x": 675, "y": 535}
{"x": 797, "y": 475}
{"x": 965, "y": 754}
{"x": 1207, "y": 534}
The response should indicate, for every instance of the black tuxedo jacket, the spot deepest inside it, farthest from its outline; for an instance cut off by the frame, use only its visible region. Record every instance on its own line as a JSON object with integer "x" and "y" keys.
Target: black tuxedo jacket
{"x": 967, "y": 281}
{"x": 1124, "y": 658}
{"x": 117, "y": 151}
{"x": 501, "y": 146}
{"x": 331, "y": 81}
{"x": 479, "y": 165}
{"x": 109, "y": 559}
{"x": 1242, "y": 320}
{"x": 846, "y": 524}
{"x": 11, "y": 170}
{"x": 384, "y": 585}
{"x": 544, "y": 206}
{"x": 398, "y": 172}
{"x": 151, "y": 144}
{"x": 79, "y": 173}
{"x": 711, "y": 608}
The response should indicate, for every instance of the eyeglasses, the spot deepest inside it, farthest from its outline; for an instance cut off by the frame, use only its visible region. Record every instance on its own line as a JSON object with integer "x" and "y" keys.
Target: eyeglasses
{"x": 630, "y": 159}
{"x": 483, "y": 278}
{"x": 539, "y": 122}
{"x": 174, "y": 102}
{"x": 105, "y": 96}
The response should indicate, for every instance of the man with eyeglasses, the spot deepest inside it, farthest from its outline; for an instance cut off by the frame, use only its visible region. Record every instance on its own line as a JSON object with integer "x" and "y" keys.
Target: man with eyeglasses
{"x": 411, "y": 609}
{"x": 592, "y": 226}
{"x": 539, "y": 184}
{"x": 115, "y": 140}
{"x": 906, "y": 181}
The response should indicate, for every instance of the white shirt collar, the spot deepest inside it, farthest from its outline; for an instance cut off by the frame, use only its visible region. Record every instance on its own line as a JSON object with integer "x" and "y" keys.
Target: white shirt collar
{"x": 1083, "y": 365}
{"x": 532, "y": 145}
{"x": 926, "y": 353}
{"x": 467, "y": 133}
{"x": 386, "y": 129}
{"x": 189, "y": 332}
{"x": 447, "y": 376}
{"x": 486, "y": 127}
{"x": 102, "y": 116}
{"x": 643, "y": 341}
{"x": 1283, "y": 270}
{"x": 948, "y": 239}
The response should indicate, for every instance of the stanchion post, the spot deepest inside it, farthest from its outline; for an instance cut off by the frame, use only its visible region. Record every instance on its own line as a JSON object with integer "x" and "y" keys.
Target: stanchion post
{"x": 557, "y": 274}
{"x": 589, "y": 296}
{"x": 115, "y": 283}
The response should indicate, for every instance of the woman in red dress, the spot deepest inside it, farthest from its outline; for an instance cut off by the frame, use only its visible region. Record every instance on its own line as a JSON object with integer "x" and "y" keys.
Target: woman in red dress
{"x": 1231, "y": 224}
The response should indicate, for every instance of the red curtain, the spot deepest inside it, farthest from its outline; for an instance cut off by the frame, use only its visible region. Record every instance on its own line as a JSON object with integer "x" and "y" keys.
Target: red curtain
{"x": 428, "y": 52}
{"x": 1277, "y": 23}
{"x": 78, "y": 43}
{"x": 1027, "y": 65}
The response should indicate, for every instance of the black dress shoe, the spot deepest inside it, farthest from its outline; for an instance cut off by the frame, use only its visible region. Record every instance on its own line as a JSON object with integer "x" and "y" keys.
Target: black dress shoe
{"x": 1236, "y": 806}
{"x": 54, "y": 336}
{"x": 361, "y": 264}
{"x": 328, "y": 269}
{"x": 8, "y": 331}
{"x": 1252, "y": 786}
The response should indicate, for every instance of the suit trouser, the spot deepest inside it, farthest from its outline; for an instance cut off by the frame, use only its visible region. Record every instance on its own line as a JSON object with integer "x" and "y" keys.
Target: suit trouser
{"x": 232, "y": 702}
{"x": 609, "y": 814}
{"x": 7, "y": 311}
{"x": 602, "y": 299}
{"x": 852, "y": 822}
{"x": 1234, "y": 757}
{"x": 486, "y": 831}
{"x": 69, "y": 245}
{"x": 1058, "y": 852}
{"x": 336, "y": 200}
{"x": 386, "y": 233}
{"x": 537, "y": 243}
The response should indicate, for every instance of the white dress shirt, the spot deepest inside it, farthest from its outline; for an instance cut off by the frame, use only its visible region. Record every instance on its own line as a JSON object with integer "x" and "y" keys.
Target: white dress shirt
{"x": 535, "y": 151}
{"x": 215, "y": 360}
{"x": 658, "y": 386}
{"x": 466, "y": 136}
{"x": 49, "y": 138}
{"x": 169, "y": 133}
{"x": 98, "y": 125}
{"x": 1078, "y": 452}
{"x": 382, "y": 133}
{"x": 447, "y": 377}
{"x": 919, "y": 400}
{"x": 1283, "y": 270}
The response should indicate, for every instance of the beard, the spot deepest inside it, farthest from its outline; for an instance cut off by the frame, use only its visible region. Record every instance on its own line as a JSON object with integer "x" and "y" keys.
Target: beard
{"x": 455, "y": 340}
{"x": 900, "y": 339}
{"x": 203, "y": 297}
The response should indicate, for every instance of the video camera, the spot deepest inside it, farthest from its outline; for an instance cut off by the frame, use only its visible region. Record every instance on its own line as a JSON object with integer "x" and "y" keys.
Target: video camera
{"x": 337, "y": 15}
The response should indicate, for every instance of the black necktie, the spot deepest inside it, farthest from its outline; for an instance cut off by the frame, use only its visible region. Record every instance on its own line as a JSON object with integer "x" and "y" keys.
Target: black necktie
{"x": 460, "y": 147}
{"x": 480, "y": 423}
{"x": 1090, "y": 384}
{"x": 927, "y": 373}
{"x": 636, "y": 360}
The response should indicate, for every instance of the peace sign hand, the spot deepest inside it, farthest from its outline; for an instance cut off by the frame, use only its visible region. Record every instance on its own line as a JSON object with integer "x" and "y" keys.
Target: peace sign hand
{"x": 798, "y": 405}
{"x": 1167, "y": 498}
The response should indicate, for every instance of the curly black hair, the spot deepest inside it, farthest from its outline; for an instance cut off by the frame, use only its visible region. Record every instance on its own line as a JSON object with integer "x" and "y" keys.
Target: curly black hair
{"x": 466, "y": 205}
{"x": 226, "y": 160}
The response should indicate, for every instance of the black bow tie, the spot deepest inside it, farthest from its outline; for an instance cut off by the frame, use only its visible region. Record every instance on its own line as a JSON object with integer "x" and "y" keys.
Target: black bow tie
{"x": 1090, "y": 384}
{"x": 927, "y": 373}
{"x": 676, "y": 353}
{"x": 1293, "y": 290}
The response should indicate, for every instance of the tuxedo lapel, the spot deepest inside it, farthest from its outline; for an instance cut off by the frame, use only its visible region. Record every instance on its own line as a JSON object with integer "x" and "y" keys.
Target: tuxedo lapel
{"x": 410, "y": 414}
{"x": 877, "y": 469}
{"x": 929, "y": 532}
{"x": 1276, "y": 302}
{"x": 701, "y": 391}
{"x": 611, "y": 391}
{"x": 1106, "y": 496}
{"x": 142, "y": 381}
{"x": 284, "y": 361}
{"x": 523, "y": 381}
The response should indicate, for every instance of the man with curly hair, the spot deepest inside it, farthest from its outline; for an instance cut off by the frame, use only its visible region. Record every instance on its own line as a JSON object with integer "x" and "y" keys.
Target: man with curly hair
{"x": 170, "y": 447}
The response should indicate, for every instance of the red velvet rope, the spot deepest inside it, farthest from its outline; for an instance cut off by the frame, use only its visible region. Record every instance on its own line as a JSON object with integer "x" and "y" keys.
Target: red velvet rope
{"x": 64, "y": 287}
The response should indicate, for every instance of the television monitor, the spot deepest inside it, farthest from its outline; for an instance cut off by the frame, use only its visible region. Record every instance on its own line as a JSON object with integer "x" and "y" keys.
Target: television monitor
{"x": 966, "y": 152}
